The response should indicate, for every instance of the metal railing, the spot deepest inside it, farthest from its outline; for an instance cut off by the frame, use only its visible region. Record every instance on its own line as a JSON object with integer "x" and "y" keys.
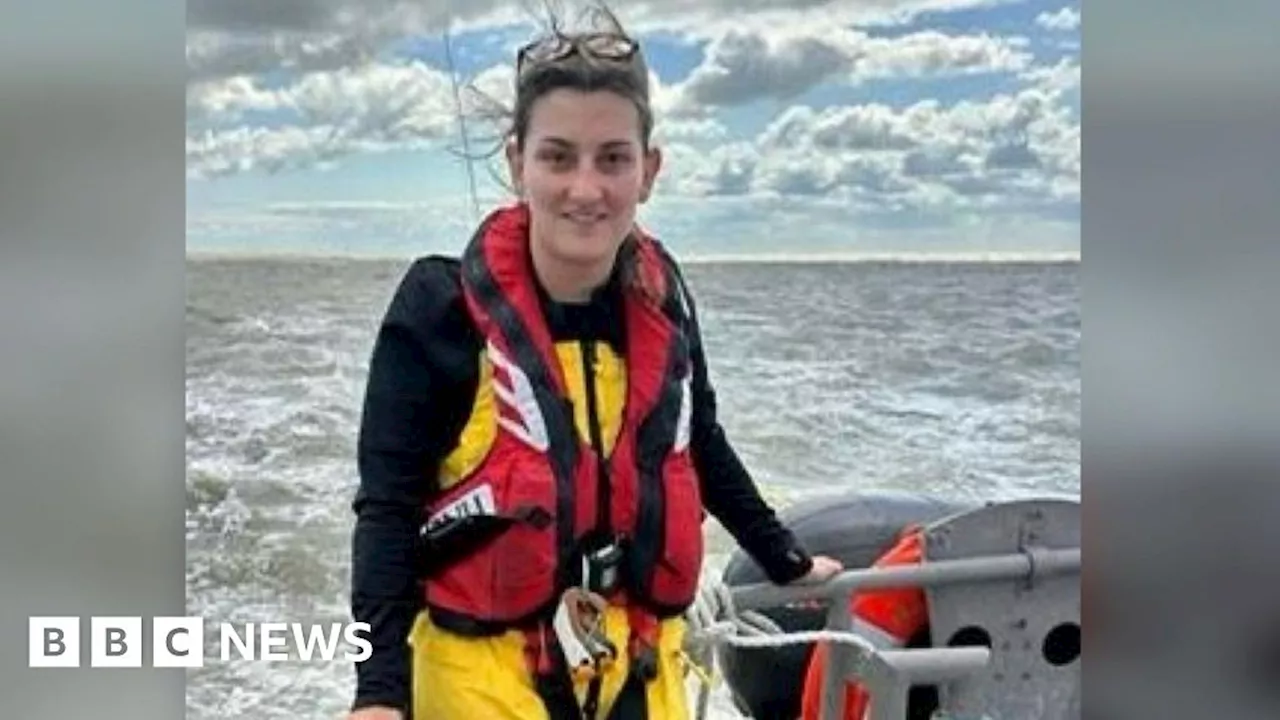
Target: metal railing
{"x": 888, "y": 675}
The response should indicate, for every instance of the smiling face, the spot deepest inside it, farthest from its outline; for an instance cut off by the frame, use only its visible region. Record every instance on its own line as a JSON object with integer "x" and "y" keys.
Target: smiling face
{"x": 582, "y": 168}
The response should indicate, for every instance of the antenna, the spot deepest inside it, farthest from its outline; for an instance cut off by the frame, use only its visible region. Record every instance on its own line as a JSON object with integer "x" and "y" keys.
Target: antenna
{"x": 462, "y": 121}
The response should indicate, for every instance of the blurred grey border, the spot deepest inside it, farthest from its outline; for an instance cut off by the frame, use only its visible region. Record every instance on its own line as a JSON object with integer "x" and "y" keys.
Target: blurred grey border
{"x": 92, "y": 210}
{"x": 1181, "y": 447}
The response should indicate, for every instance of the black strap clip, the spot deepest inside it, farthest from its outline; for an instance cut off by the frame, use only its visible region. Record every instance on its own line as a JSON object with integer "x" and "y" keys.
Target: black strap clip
{"x": 600, "y": 569}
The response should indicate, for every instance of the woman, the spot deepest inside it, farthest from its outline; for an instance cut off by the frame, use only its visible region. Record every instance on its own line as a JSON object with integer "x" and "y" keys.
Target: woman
{"x": 480, "y": 425}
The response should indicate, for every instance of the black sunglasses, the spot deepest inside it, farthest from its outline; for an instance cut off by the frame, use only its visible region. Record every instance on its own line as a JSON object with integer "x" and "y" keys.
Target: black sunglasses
{"x": 602, "y": 46}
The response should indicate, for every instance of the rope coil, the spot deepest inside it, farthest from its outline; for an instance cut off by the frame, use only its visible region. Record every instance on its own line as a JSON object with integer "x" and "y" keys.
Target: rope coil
{"x": 713, "y": 620}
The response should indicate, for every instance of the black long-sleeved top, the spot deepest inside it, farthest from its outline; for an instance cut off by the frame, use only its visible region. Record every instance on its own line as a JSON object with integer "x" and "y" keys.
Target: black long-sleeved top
{"x": 422, "y": 379}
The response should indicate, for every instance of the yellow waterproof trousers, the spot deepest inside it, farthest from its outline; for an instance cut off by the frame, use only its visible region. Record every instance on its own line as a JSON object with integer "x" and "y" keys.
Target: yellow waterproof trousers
{"x": 467, "y": 678}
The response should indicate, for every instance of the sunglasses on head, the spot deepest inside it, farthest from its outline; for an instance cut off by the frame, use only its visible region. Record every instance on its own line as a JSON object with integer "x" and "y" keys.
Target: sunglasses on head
{"x": 601, "y": 45}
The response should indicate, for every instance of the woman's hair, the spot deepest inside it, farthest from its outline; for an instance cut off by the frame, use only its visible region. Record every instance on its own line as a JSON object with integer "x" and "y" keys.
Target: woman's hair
{"x": 584, "y": 70}
{"x": 601, "y": 58}
{"x": 572, "y": 63}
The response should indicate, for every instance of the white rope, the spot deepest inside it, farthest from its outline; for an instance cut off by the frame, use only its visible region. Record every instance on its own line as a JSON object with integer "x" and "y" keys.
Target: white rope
{"x": 713, "y": 620}
{"x": 716, "y": 636}
{"x": 713, "y": 608}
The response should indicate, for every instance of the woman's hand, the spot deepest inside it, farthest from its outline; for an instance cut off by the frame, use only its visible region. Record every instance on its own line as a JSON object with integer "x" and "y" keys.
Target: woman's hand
{"x": 824, "y": 568}
{"x": 376, "y": 713}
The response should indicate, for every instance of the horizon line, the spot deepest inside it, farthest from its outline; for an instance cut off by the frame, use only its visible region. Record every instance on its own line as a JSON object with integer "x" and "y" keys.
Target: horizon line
{"x": 813, "y": 258}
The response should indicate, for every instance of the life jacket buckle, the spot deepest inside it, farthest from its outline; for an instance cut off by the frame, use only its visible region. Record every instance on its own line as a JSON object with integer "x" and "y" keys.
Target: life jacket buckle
{"x": 600, "y": 569}
{"x": 579, "y": 625}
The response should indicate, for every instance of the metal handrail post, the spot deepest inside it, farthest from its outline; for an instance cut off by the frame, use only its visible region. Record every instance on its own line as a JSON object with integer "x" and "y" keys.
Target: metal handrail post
{"x": 843, "y": 660}
{"x": 891, "y": 674}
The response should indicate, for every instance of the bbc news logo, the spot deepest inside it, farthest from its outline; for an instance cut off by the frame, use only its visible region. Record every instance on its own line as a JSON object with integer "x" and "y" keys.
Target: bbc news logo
{"x": 178, "y": 642}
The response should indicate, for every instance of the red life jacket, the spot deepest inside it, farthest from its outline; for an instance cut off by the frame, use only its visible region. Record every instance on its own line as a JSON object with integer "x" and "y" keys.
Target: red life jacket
{"x": 539, "y": 469}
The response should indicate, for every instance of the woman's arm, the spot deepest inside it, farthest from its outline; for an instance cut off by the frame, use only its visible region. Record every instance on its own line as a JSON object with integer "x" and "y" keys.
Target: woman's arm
{"x": 411, "y": 416}
{"x": 728, "y": 491}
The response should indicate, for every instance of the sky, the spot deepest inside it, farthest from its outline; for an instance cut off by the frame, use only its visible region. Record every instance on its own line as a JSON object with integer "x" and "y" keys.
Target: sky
{"x": 790, "y": 128}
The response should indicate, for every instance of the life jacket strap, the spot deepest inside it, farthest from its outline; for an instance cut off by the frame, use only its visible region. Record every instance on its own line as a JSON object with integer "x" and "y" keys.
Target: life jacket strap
{"x": 642, "y": 647}
{"x": 550, "y": 673}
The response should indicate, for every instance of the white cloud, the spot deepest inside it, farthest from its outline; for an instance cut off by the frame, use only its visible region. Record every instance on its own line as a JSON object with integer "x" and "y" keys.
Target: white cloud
{"x": 858, "y": 127}
{"x": 726, "y": 168}
{"x": 406, "y": 101}
{"x": 376, "y": 94}
{"x": 1011, "y": 148}
{"x": 229, "y": 100}
{"x": 699, "y": 130}
{"x": 329, "y": 114}
{"x": 247, "y": 37}
{"x": 496, "y": 84}
{"x": 933, "y": 53}
{"x": 332, "y": 113}
{"x": 1064, "y": 20}
{"x": 216, "y": 55}
{"x": 417, "y": 15}
{"x": 1011, "y": 154}
{"x": 254, "y": 148}
{"x": 344, "y": 100}
{"x": 743, "y": 65}
{"x": 698, "y": 20}
{"x": 1060, "y": 78}
{"x": 374, "y": 107}
{"x": 1011, "y": 151}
